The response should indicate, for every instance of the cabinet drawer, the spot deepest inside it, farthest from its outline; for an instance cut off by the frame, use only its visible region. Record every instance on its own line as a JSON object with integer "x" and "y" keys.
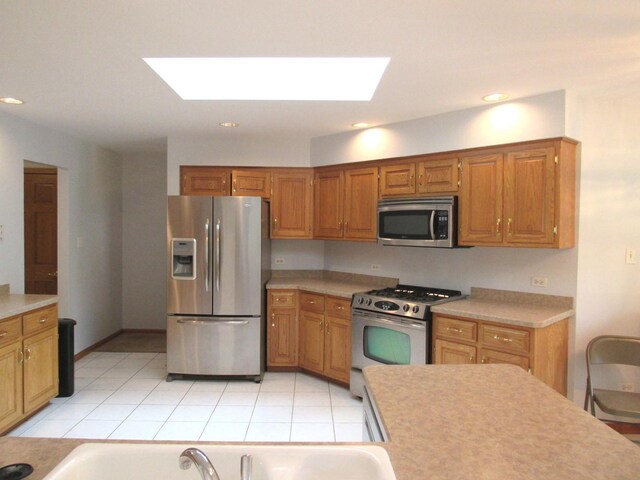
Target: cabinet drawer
{"x": 10, "y": 330}
{"x": 338, "y": 307}
{"x": 456, "y": 328}
{"x": 283, "y": 299}
{"x": 505, "y": 338}
{"x": 493, "y": 356}
{"x": 312, "y": 302}
{"x": 40, "y": 320}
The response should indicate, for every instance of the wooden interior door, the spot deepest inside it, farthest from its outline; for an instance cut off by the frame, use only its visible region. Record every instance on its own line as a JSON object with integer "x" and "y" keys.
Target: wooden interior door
{"x": 41, "y": 230}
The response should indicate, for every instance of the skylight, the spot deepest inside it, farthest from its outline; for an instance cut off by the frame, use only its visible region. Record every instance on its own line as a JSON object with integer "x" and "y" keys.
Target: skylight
{"x": 282, "y": 78}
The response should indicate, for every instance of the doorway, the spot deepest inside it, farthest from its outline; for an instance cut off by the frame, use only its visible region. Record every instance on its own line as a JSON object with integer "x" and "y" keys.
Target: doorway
{"x": 41, "y": 229}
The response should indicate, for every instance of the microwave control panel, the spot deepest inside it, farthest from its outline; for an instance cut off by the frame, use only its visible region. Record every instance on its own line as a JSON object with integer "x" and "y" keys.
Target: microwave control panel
{"x": 442, "y": 225}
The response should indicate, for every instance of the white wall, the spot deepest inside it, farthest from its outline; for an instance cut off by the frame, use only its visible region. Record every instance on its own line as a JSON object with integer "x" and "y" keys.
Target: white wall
{"x": 144, "y": 202}
{"x": 606, "y": 119}
{"x": 89, "y": 208}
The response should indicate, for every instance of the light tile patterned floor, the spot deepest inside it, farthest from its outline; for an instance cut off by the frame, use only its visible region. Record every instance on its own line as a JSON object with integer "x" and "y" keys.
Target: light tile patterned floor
{"x": 125, "y": 396}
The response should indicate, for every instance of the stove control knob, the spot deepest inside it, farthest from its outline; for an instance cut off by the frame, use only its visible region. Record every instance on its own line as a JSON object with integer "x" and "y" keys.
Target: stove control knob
{"x": 405, "y": 308}
{"x": 368, "y": 302}
{"x": 416, "y": 309}
{"x": 360, "y": 300}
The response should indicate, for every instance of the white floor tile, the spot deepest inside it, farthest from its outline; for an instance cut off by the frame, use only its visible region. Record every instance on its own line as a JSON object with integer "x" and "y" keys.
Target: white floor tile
{"x": 242, "y": 386}
{"x": 305, "y": 383}
{"x": 225, "y": 431}
{"x": 238, "y": 398}
{"x": 279, "y": 376}
{"x": 191, "y": 413}
{"x": 347, "y": 414}
{"x": 120, "y": 372}
{"x": 79, "y": 383}
{"x": 180, "y": 431}
{"x": 71, "y": 411}
{"x": 312, "y": 415}
{"x": 89, "y": 372}
{"x": 127, "y": 397}
{"x": 118, "y": 355}
{"x": 312, "y": 432}
{"x": 111, "y": 412}
{"x": 104, "y": 383}
{"x": 174, "y": 386}
{"x": 146, "y": 355}
{"x": 130, "y": 362}
{"x": 102, "y": 362}
{"x": 154, "y": 373}
{"x": 231, "y": 413}
{"x": 90, "y": 396}
{"x": 268, "y": 432}
{"x": 152, "y": 412}
{"x": 147, "y": 384}
{"x": 93, "y": 429}
{"x": 312, "y": 399}
{"x": 278, "y": 386}
{"x": 136, "y": 430}
{"x": 275, "y": 399}
{"x": 201, "y": 398}
{"x": 50, "y": 428}
{"x": 344, "y": 399}
{"x": 348, "y": 432}
{"x": 272, "y": 414}
{"x": 208, "y": 386}
{"x": 163, "y": 398}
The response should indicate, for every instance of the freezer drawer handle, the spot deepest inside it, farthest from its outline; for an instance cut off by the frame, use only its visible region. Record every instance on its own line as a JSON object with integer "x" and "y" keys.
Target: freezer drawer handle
{"x": 226, "y": 322}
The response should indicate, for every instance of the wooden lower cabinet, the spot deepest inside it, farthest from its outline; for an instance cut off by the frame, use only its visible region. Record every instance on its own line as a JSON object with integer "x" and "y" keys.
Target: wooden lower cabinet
{"x": 337, "y": 344}
{"x": 282, "y": 331}
{"x": 28, "y": 364}
{"x": 312, "y": 341}
{"x": 541, "y": 351}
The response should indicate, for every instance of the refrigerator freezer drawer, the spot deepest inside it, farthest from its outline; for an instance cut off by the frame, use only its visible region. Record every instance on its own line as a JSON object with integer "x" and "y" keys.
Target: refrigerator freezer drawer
{"x": 214, "y": 345}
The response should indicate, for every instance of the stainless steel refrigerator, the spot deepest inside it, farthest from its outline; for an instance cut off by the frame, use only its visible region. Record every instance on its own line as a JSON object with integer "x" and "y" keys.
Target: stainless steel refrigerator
{"x": 219, "y": 260}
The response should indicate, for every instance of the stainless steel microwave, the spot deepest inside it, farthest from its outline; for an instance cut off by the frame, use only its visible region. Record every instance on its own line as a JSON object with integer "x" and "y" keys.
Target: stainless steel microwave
{"x": 418, "y": 222}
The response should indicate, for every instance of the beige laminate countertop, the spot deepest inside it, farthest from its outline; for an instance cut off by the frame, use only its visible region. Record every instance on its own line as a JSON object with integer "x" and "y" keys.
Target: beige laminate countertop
{"x": 16, "y": 304}
{"x": 338, "y": 288}
{"x": 492, "y": 422}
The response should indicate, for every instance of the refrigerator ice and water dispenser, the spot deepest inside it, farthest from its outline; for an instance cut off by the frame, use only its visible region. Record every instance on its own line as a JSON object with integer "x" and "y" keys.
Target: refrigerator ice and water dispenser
{"x": 183, "y": 252}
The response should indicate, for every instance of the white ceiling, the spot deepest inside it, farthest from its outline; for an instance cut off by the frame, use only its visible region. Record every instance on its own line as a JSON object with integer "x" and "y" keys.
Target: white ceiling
{"x": 78, "y": 63}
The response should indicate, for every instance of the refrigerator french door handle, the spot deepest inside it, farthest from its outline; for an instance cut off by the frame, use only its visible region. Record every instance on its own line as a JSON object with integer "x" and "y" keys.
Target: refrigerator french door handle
{"x": 431, "y": 221}
{"x": 207, "y": 260}
{"x": 217, "y": 262}
{"x": 226, "y": 322}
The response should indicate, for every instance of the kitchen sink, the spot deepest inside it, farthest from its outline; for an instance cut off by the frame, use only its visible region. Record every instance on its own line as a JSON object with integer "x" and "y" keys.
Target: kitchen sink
{"x": 140, "y": 461}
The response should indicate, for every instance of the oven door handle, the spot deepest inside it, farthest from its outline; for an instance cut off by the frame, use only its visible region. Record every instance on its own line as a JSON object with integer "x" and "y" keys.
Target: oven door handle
{"x": 385, "y": 321}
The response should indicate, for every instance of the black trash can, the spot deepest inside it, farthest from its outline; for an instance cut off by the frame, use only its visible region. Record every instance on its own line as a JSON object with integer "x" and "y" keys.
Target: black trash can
{"x": 65, "y": 357}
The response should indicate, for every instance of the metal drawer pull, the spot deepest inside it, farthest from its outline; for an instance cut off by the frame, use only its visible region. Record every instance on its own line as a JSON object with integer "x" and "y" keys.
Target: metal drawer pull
{"x": 42, "y": 320}
{"x": 27, "y": 352}
{"x": 504, "y": 339}
{"x": 339, "y": 307}
{"x": 312, "y": 302}
{"x": 454, "y": 330}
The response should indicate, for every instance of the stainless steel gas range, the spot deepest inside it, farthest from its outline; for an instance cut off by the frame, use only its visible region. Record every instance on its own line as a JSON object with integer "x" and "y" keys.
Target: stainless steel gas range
{"x": 392, "y": 326}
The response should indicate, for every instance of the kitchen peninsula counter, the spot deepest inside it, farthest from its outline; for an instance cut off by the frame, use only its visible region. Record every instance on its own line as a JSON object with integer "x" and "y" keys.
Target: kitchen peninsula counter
{"x": 16, "y": 304}
{"x": 338, "y": 284}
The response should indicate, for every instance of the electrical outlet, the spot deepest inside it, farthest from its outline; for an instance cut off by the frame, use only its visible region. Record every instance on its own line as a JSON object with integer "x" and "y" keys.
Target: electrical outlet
{"x": 279, "y": 261}
{"x": 375, "y": 267}
{"x": 627, "y": 387}
{"x": 541, "y": 282}
{"x": 630, "y": 256}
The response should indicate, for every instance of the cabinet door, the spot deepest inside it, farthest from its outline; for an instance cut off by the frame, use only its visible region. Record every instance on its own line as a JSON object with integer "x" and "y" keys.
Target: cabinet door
{"x": 281, "y": 336}
{"x": 291, "y": 211}
{"x": 453, "y": 353}
{"x": 40, "y": 368}
{"x": 337, "y": 355}
{"x": 205, "y": 181}
{"x": 361, "y": 204}
{"x": 493, "y": 356}
{"x": 529, "y": 191}
{"x": 328, "y": 206}
{"x": 311, "y": 342}
{"x": 480, "y": 208}
{"x": 251, "y": 183}
{"x": 438, "y": 175}
{"x": 11, "y": 384}
{"x": 398, "y": 179}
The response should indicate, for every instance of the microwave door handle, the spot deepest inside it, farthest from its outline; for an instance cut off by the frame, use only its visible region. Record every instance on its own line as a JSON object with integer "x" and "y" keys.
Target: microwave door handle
{"x": 431, "y": 222}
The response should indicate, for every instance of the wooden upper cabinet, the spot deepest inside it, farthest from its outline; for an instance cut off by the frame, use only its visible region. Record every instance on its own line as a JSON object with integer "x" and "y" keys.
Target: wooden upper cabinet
{"x": 254, "y": 183}
{"x": 361, "y": 204}
{"x": 328, "y": 204}
{"x": 291, "y": 204}
{"x": 211, "y": 181}
{"x": 397, "y": 179}
{"x": 438, "y": 175}
{"x": 480, "y": 206}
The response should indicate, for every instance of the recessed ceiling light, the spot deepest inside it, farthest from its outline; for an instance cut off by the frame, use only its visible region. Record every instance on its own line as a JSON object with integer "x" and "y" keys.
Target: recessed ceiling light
{"x": 495, "y": 97}
{"x": 11, "y": 101}
{"x": 279, "y": 78}
{"x": 360, "y": 125}
{"x": 229, "y": 124}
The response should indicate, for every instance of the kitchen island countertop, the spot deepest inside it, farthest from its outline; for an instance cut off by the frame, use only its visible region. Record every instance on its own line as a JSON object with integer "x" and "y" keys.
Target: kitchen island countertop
{"x": 17, "y": 304}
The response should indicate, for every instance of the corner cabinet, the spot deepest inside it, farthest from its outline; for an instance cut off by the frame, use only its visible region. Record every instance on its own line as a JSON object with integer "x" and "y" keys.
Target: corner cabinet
{"x": 282, "y": 330}
{"x": 28, "y": 364}
{"x": 541, "y": 351}
{"x": 522, "y": 196}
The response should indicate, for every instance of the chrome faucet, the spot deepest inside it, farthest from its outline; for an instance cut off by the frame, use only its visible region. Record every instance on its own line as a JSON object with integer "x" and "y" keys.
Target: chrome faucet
{"x": 204, "y": 466}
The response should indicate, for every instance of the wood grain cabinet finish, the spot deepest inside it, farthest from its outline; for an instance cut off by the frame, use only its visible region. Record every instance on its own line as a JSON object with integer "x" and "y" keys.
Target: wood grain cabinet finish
{"x": 28, "y": 364}
{"x": 291, "y": 205}
{"x": 211, "y": 181}
{"x": 252, "y": 183}
{"x": 519, "y": 196}
{"x": 542, "y": 351}
{"x": 398, "y": 179}
{"x": 345, "y": 204}
{"x": 438, "y": 175}
{"x": 311, "y": 341}
{"x": 282, "y": 332}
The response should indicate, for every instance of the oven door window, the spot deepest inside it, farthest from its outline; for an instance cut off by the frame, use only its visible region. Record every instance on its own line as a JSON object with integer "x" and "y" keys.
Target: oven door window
{"x": 405, "y": 224}
{"x": 387, "y": 346}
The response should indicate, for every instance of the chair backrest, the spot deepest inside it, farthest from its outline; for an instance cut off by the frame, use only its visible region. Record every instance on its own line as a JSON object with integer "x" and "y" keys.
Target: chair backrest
{"x": 614, "y": 349}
